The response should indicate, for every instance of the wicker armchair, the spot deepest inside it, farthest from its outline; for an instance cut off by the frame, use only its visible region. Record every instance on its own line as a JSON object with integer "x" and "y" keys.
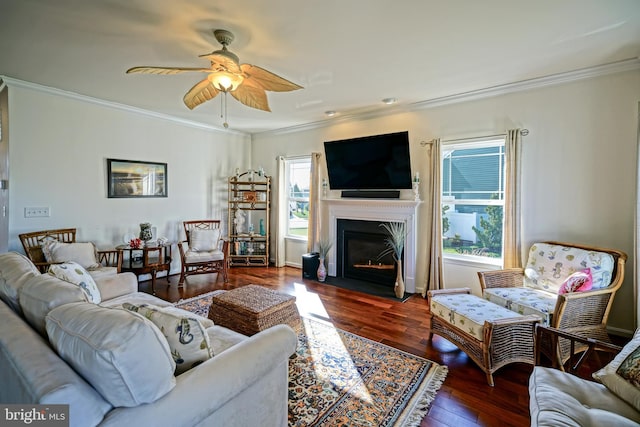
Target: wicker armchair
{"x": 582, "y": 313}
{"x": 196, "y": 261}
{"x": 32, "y": 244}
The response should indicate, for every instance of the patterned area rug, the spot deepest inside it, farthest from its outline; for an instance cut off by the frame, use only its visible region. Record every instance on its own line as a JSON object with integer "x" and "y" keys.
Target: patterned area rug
{"x": 337, "y": 378}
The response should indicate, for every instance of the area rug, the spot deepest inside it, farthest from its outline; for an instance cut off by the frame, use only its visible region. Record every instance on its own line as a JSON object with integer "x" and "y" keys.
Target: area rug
{"x": 337, "y": 378}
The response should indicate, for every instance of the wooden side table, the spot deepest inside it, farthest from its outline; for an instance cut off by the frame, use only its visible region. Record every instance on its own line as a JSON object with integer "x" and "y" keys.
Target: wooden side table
{"x": 146, "y": 260}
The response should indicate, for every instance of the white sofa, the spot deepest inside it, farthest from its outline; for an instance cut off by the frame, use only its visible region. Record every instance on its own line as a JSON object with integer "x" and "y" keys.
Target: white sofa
{"x": 245, "y": 383}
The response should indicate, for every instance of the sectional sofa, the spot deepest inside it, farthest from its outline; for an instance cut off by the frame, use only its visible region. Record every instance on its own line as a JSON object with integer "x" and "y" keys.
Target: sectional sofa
{"x": 114, "y": 366}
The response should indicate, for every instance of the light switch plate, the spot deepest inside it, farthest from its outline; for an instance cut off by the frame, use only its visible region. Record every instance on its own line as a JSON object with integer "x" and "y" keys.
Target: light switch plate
{"x": 36, "y": 212}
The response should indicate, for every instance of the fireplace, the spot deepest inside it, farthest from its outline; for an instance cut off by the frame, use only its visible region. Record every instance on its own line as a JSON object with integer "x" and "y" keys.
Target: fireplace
{"x": 359, "y": 248}
{"x": 375, "y": 211}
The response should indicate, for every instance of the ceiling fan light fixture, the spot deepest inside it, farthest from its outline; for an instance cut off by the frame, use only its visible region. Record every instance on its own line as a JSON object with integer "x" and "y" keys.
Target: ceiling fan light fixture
{"x": 390, "y": 101}
{"x": 224, "y": 81}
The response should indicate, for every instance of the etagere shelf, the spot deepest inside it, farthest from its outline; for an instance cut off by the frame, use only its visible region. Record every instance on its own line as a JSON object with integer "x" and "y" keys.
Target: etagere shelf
{"x": 249, "y": 208}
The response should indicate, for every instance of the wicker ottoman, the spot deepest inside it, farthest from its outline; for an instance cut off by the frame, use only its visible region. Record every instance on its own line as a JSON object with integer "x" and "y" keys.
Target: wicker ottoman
{"x": 491, "y": 335}
{"x": 251, "y": 309}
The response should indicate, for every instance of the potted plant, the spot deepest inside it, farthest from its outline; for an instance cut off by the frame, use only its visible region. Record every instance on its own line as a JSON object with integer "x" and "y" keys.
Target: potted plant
{"x": 395, "y": 245}
{"x": 324, "y": 246}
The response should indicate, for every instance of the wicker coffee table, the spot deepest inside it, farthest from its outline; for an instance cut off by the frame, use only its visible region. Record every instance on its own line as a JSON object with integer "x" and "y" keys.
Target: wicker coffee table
{"x": 251, "y": 309}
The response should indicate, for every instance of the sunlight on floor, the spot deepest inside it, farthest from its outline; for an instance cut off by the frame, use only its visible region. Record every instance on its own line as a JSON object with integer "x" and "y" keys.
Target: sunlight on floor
{"x": 343, "y": 375}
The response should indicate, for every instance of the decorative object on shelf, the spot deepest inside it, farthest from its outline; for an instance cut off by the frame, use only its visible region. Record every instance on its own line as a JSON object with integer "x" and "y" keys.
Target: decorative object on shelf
{"x": 416, "y": 187}
{"x": 239, "y": 220}
{"x": 135, "y": 243}
{"x": 324, "y": 246}
{"x": 250, "y": 196}
{"x": 394, "y": 241}
{"x": 162, "y": 241}
{"x": 262, "y": 232}
{"x": 251, "y": 229}
{"x": 145, "y": 232}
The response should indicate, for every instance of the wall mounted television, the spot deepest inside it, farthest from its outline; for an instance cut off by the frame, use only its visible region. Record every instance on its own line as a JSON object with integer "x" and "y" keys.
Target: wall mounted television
{"x": 377, "y": 162}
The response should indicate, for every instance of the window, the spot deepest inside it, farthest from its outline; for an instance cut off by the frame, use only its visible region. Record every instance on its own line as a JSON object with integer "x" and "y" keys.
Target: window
{"x": 298, "y": 183}
{"x": 473, "y": 199}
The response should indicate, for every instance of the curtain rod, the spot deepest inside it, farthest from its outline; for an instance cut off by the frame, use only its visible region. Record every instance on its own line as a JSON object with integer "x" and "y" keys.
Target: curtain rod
{"x": 523, "y": 132}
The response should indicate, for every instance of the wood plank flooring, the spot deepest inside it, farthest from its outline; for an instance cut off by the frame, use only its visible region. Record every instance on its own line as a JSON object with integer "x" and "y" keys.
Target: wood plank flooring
{"x": 465, "y": 399}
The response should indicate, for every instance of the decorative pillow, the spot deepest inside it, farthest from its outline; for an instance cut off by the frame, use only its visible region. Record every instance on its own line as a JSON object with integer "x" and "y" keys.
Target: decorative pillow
{"x": 120, "y": 353}
{"x": 621, "y": 374}
{"x": 204, "y": 240}
{"x": 82, "y": 253}
{"x": 73, "y": 272}
{"x": 579, "y": 281}
{"x": 187, "y": 337}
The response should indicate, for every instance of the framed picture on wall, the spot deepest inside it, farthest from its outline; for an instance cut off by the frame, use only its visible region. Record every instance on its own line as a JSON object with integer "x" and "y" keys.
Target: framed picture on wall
{"x": 133, "y": 178}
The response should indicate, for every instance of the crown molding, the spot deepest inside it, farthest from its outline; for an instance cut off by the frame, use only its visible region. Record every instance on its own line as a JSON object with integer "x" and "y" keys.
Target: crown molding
{"x": 11, "y": 82}
{"x": 520, "y": 86}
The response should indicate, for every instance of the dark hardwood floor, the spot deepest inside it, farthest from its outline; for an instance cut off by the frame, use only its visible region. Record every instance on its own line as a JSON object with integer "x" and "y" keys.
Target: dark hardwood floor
{"x": 465, "y": 399}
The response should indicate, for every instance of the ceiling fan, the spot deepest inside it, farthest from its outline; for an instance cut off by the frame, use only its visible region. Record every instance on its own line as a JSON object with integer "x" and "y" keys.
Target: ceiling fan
{"x": 245, "y": 82}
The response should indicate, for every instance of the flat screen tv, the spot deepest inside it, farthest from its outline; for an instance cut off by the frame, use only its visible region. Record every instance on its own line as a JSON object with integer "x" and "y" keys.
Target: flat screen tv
{"x": 378, "y": 162}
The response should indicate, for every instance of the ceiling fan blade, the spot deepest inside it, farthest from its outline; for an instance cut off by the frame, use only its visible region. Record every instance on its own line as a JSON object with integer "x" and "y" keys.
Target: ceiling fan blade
{"x": 260, "y": 77}
{"x": 166, "y": 70}
{"x": 251, "y": 96}
{"x": 201, "y": 92}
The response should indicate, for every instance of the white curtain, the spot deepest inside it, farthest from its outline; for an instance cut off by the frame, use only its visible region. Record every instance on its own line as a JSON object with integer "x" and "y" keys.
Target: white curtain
{"x": 636, "y": 272}
{"x": 281, "y": 212}
{"x": 433, "y": 238}
{"x": 512, "y": 245}
{"x": 314, "y": 205}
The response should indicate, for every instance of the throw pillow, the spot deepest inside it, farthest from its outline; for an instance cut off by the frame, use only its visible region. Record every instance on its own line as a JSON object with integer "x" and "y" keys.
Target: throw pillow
{"x": 73, "y": 272}
{"x": 187, "y": 337}
{"x": 120, "y": 353}
{"x": 579, "y": 281}
{"x": 204, "y": 240}
{"x": 620, "y": 375}
{"x": 82, "y": 253}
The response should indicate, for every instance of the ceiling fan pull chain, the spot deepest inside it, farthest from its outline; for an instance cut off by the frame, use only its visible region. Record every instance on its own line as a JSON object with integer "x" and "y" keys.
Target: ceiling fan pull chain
{"x": 225, "y": 124}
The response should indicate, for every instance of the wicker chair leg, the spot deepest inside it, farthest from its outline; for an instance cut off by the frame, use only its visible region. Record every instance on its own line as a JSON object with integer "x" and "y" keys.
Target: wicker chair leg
{"x": 490, "y": 378}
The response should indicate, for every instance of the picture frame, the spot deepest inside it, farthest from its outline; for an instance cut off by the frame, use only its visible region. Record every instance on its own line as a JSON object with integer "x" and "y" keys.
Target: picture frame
{"x": 135, "y": 178}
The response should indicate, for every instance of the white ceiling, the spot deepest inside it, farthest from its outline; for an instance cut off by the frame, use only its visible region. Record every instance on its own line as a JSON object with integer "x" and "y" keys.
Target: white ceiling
{"x": 348, "y": 54}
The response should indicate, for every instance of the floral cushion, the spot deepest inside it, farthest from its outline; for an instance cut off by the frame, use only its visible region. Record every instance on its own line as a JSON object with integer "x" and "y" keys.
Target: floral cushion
{"x": 73, "y": 272}
{"x": 468, "y": 312}
{"x": 549, "y": 265}
{"x": 524, "y": 301}
{"x": 186, "y": 335}
{"x": 622, "y": 374}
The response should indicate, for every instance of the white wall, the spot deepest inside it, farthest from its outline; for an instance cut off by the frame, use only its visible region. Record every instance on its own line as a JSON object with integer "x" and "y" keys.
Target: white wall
{"x": 58, "y": 151}
{"x": 578, "y": 171}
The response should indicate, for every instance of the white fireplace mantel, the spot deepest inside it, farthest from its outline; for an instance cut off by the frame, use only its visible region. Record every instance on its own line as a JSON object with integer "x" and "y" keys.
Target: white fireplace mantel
{"x": 382, "y": 210}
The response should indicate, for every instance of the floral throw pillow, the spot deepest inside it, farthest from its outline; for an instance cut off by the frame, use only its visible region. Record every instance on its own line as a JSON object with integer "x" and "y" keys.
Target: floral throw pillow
{"x": 73, "y": 272}
{"x": 187, "y": 337}
{"x": 579, "y": 281}
{"x": 622, "y": 375}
